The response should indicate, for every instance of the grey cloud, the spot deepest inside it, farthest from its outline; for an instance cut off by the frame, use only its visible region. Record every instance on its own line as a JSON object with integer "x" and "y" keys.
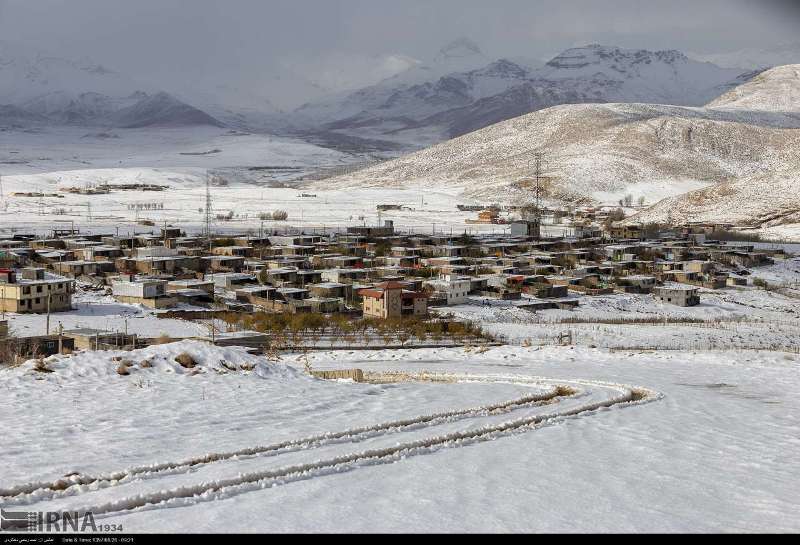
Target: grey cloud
{"x": 178, "y": 41}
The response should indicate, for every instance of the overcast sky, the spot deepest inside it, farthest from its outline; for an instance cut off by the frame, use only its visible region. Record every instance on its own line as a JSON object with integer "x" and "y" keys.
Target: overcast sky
{"x": 181, "y": 40}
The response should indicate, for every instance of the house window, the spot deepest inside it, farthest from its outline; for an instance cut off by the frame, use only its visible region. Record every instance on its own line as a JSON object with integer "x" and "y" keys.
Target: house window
{"x": 38, "y": 300}
{"x": 38, "y": 289}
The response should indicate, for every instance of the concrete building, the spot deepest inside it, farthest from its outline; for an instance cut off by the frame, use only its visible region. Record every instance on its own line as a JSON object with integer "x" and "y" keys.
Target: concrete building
{"x": 526, "y": 228}
{"x": 391, "y": 300}
{"x": 75, "y": 269}
{"x": 637, "y": 283}
{"x": 34, "y": 291}
{"x": 386, "y": 230}
{"x": 452, "y": 289}
{"x": 682, "y": 296}
{"x": 94, "y": 339}
{"x": 149, "y": 293}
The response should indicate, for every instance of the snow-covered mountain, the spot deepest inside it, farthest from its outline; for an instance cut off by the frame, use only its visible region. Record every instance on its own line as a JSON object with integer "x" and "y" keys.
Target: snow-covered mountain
{"x": 613, "y": 74}
{"x": 400, "y": 100}
{"x": 455, "y": 103}
{"x": 339, "y": 72}
{"x": 65, "y": 108}
{"x": 40, "y": 89}
{"x": 26, "y": 74}
{"x": 160, "y": 110}
{"x": 600, "y": 152}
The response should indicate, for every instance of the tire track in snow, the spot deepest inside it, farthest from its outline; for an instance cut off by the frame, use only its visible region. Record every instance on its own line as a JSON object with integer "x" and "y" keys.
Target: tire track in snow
{"x": 220, "y": 489}
{"x": 61, "y": 486}
{"x": 225, "y": 488}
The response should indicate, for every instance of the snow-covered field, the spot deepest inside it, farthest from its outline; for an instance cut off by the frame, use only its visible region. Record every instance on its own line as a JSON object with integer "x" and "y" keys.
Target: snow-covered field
{"x": 79, "y": 148}
{"x": 242, "y": 444}
{"x": 103, "y": 312}
{"x": 425, "y": 209}
{"x": 744, "y": 318}
{"x": 47, "y": 160}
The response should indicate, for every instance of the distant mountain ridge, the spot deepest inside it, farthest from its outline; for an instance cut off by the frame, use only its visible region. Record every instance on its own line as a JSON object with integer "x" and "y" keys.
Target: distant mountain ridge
{"x": 456, "y": 103}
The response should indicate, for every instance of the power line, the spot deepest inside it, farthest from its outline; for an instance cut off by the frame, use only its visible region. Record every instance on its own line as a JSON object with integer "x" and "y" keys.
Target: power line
{"x": 538, "y": 174}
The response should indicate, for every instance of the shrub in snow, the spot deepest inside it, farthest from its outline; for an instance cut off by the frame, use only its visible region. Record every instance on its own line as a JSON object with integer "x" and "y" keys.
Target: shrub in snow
{"x": 185, "y": 360}
{"x": 41, "y": 367}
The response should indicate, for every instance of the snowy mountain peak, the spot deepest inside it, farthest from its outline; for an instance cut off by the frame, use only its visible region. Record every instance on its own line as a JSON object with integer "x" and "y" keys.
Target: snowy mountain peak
{"x": 162, "y": 110}
{"x": 502, "y": 68}
{"x": 596, "y": 55}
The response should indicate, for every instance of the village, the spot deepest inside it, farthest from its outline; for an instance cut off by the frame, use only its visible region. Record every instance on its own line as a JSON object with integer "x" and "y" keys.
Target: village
{"x": 376, "y": 276}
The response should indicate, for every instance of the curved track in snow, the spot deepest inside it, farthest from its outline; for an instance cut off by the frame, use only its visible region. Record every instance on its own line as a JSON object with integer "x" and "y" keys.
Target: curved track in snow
{"x": 566, "y": 399}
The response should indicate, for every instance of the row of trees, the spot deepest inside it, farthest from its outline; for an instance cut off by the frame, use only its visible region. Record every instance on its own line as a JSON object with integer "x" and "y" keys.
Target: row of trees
{"x": 627, "y": 201}
{"x": 297, "y": 330}
{"x": 277, "y": 215}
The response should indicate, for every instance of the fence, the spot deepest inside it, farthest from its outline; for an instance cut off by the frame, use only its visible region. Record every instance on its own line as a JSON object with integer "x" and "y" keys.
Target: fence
{"x": 356, "y": 375}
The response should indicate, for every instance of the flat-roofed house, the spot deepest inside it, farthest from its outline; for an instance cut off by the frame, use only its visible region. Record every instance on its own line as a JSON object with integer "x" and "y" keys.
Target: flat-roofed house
{"x": 452, "y": 289}
{"x": 148, "y": 293}
{"x": 75, "y": 269}
{"x": 34, "y": 290}
{"x": 682, "y": 296}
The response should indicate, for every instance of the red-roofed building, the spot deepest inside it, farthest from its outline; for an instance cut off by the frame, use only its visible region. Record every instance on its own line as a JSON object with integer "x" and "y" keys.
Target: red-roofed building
{"x": 392, "y": 300}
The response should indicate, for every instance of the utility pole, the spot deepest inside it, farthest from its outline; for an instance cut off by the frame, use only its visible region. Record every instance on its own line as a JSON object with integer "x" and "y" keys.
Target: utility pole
{"x": 49, "y": 295}
{"x": 537, "y": 178}
{"x": 2, "y": 197}
{"x": 537, "y": 203}
{"x": 208, "y": 211}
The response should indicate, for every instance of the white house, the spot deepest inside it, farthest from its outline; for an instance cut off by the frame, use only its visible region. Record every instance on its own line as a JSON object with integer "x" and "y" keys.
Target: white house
{"x": 150, "y": 293}
{"x": 453, "y": 288}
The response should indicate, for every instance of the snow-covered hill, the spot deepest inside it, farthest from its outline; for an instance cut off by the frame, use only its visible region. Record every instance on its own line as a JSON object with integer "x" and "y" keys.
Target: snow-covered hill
{"x": 775, "y": 90}
{"x": 760, "y": 200}
{"x": 603, "y": 151}
{"x": 767, "y": 197}
{"x": 455, "y": 103}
